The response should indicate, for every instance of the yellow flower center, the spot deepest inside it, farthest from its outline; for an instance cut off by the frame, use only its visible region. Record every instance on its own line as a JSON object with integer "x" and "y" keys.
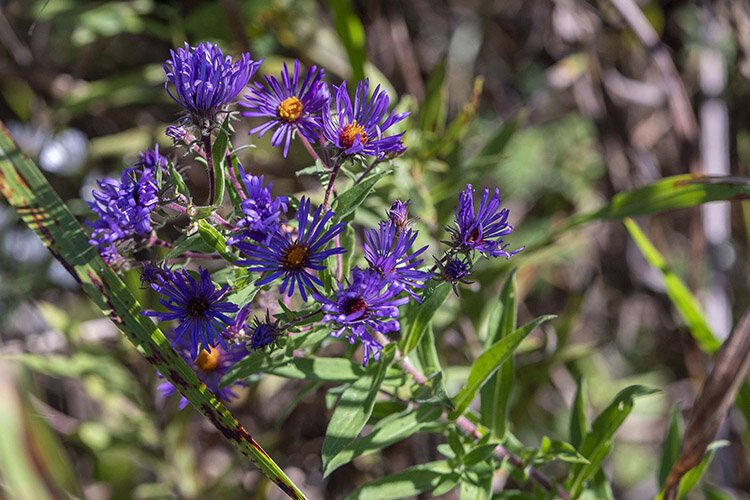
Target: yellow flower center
{"x": 208, "y": 361}
{"x": 290, "y": 109}
{"x": 295, "y": 256}
{"x": 349, "y": 132}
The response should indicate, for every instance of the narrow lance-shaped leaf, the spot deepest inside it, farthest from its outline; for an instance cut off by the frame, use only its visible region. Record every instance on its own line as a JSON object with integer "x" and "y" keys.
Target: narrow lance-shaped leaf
{"x": 489, "y": 361}
{"x": 671, "y": 445}
{"x": 495, "y": 394}
{"x": 417, "y": 316}
{"x": 408, "y": 483}
{"x": 352, "y": 35}
{"x": 26, "y": 189}
{"x": 389, "y": 430}
{"x": 348, "y": 201}
{"x": 578, "y": 422}
{"x": 686, "y": 304}
{"x": 598, "y": 442}
{"x": 218, "y": 155}
{"x": 354, "y": 408}
{"x": 670, "y": 193}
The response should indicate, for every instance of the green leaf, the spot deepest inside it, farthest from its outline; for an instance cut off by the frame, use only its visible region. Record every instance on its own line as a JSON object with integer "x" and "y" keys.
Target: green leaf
{"x": 598, "y": 442}
{"x": 434, "y": 108}
{"x": 345, "y": 204}
{"x": 552, "y": 449}
{"x": 479, "y": 453}
{"x": 321, "y": 369}
{"x": 686, "y": 304}
{"x": 495, "y": 394}
{"x": 391, "y": 429}
{"x": 489, "y": 362}
{"x": 188, "y": 243}
{"x": 671, "y": 445}
{"x": 352, "y": 35}
{"x": 408, "y": 483}
{"x": 347, "y": 242}
{"x": 417, "y": 316}
{"x": 215, "y": 240}
{"x": 27, "y": 190}
{"x": 218, "y": 156}
{"x": 354, "y": 408}
{"x": 579, "y": 426}
{"x": 691, "y": 479}
{"x": 670, "y": 193}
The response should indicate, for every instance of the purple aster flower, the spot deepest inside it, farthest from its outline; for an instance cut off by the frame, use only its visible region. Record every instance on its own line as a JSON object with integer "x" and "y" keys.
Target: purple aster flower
{"x": 368, "y": 305}
{"x": 124, "y": 208}
{"x": 398, "y": 215}
{"x": 359, "y": 128}
{"x": 388, "y": 253}
{"x": 295, "y": 257}
{"x": 210, "y": 366}
{"x": 262, "y": 212}
{"x": 151, "y": 158}
{"x": 289, "y": 106}
{"x": 205, "y": 80}
{"x": 198, "y": 306}
{"x": 480, "y": 231}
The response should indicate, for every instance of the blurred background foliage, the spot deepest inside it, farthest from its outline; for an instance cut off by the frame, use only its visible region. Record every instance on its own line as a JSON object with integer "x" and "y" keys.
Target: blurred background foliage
{"x": 560, "y": 103}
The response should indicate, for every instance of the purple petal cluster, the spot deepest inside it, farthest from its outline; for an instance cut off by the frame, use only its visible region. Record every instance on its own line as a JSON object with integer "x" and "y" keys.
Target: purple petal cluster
{"x": 398, "y": 215}
{"x": 204, "y": 80}
{"x": 210, "y": 366}
{"x": 262, "y": 212}
{"x": 360, "y": 127}
{"x": 295, "y": 258}
{"x": 481, "y": 230}
{"x": 291, "y": 105}
{"x": 197, "y": 305}
{"x": 369, "y": 305}
{"x": 123, "y": 208}
{"x": 388, "y": 252}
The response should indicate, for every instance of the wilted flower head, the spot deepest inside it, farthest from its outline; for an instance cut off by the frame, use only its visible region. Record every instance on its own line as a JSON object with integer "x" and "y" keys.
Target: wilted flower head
{"x": 295, "y": 258}
{"x": 152, "y": 274}
{"x": 198, "y": 306}
{"x": 480, "y": 231}
{"x": 389, "y": 254}
{"x": 210, "y": 366}
{"x": 369, "y": 304}
{"x": 177, "y": 133}
{"x": 290, "y": 104}
{"x": 262, "y": 212}
{"x": 359, "y": 128}
{"x": 205, "y": 81}
{"x": 124, "y": 209}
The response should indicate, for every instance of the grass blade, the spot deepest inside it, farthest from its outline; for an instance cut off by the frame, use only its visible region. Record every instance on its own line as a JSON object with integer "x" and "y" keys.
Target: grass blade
{"x": 27, "y": 190}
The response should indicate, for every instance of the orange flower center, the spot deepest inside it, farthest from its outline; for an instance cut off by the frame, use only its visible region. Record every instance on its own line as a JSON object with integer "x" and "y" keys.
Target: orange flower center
{"x": 208, "y": 361}
{"x": 349, "y": 132}
{"x": 290, "y": 109}
{"x": 295, "y": 257}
